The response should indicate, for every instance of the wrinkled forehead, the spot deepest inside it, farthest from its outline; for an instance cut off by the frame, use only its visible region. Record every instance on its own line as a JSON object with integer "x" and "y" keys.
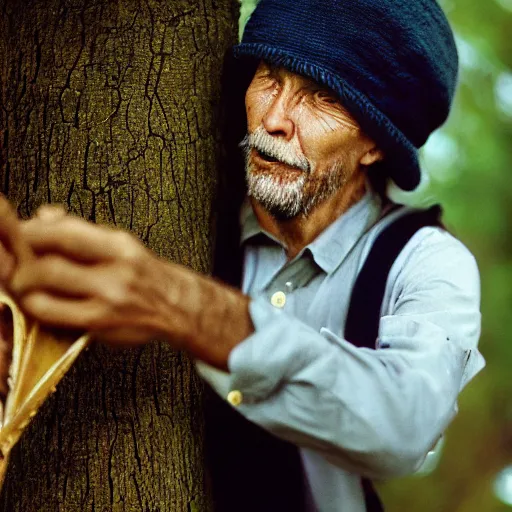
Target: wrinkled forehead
{"x": 280, "y": 73}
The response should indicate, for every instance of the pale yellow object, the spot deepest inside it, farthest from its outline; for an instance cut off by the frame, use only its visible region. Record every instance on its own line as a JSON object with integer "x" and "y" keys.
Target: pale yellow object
{"x": 278, "y": 300}
{"x": 235, "y": 397}
{"x": 40, "y": 358}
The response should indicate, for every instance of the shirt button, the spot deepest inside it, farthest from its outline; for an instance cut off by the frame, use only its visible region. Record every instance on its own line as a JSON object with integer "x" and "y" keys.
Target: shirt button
{"x": 235, "y": 397}
{"x": 278, "y": 300}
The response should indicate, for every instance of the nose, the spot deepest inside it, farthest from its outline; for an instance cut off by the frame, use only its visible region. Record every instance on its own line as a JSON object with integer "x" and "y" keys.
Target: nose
{"x": 277, "y": 120}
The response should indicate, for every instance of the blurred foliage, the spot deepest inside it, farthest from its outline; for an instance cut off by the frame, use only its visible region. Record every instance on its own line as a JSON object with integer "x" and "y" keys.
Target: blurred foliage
{"x": 470, "y": 160}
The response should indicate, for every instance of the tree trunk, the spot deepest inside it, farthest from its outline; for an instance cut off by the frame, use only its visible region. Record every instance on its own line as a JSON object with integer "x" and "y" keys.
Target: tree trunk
{"x": 111, "y": 107}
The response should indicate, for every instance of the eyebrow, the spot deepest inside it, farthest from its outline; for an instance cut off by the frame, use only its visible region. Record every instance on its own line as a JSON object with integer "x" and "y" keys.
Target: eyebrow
{"x": 275, "y": 71}
{"x": 311, "y": 84}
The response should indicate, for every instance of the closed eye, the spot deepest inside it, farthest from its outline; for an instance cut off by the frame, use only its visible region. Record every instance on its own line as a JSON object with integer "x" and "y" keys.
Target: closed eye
{"x": 327, "y": 98}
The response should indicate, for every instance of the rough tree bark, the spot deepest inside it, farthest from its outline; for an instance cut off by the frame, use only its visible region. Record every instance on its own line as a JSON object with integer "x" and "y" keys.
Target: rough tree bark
{"x": 111, "y": 107}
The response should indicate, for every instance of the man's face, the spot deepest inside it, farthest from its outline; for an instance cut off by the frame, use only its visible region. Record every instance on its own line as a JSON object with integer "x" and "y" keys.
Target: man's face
{"x": 302, "y": 145}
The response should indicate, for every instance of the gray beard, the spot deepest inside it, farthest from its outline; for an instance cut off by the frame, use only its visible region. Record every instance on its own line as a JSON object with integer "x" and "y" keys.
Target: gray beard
{"x": 285, "y": 201}
{"x": 294, "y": 197}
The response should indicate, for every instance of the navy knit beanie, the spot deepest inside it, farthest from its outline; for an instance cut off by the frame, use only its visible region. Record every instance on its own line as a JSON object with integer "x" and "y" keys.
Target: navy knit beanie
{"x": 393, "y": 63}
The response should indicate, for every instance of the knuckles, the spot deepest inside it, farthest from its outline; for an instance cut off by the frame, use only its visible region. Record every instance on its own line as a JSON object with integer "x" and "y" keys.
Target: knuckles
{"x": 129, "y": 247}
{"x": 124, "y": 287}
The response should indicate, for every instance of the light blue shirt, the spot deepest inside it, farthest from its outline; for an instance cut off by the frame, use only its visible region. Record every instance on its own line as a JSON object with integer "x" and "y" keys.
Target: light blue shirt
{"x": 354, "y": 411}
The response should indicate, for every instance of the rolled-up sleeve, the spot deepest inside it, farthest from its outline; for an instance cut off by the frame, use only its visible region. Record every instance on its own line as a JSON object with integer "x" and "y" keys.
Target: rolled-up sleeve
{"x": 374, "y": 412}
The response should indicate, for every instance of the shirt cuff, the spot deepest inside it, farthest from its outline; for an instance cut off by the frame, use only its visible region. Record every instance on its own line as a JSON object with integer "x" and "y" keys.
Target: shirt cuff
{"x": 258, "y": 366}
{"x": 280, "y": 347}
{"x": 262, "y": 315}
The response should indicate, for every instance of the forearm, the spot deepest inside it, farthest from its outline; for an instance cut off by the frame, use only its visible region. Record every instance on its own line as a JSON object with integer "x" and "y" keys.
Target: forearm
{"x": 212, "y": 317}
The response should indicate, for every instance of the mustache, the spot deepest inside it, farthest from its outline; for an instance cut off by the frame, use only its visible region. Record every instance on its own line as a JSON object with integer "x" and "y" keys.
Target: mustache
{"x": 276, "y": 148}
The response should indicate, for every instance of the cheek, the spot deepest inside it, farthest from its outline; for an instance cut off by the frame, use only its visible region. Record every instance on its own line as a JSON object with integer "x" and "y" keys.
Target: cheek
{"x": 318, "y": 140}
{"x": 318, "y": 133}
{"x": 327, "y": 140}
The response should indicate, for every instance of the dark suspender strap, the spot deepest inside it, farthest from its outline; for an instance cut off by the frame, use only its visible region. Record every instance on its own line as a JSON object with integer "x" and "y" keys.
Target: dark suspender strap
{"x": 363, "y": 317}
{"x": 250, "y": 469}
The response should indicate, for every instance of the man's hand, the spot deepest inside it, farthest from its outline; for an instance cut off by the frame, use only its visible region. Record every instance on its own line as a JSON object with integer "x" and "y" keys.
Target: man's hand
{"x": 90, "y": 277}
{"x": 102, "y": 280}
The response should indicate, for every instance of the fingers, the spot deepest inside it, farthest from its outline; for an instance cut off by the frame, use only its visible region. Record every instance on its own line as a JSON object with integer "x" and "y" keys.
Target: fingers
{"x": 84, "y": 276}
{"x": 53, "y": 273}
{"x": 79, "y": 239}
{"x": 62, "y": 312}
{"x": 90, "y": 314}
{"x": 110, "y": 283}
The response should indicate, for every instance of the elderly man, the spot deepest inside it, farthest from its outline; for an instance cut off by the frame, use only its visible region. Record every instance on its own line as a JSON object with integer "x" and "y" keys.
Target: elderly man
{"x": 357, "y": 325}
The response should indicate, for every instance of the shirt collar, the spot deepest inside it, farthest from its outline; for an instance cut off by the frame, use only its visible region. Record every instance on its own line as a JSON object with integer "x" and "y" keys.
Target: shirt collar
{"x": 249, "y": 223}
{"x": 332, "y": 246}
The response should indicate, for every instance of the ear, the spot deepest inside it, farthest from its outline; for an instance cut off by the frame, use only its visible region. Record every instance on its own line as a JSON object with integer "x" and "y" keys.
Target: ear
{"x": 371, "y": 156}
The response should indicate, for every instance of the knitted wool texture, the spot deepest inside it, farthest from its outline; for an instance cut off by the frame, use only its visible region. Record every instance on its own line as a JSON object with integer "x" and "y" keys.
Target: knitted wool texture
{"x": 393, "y": 63}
